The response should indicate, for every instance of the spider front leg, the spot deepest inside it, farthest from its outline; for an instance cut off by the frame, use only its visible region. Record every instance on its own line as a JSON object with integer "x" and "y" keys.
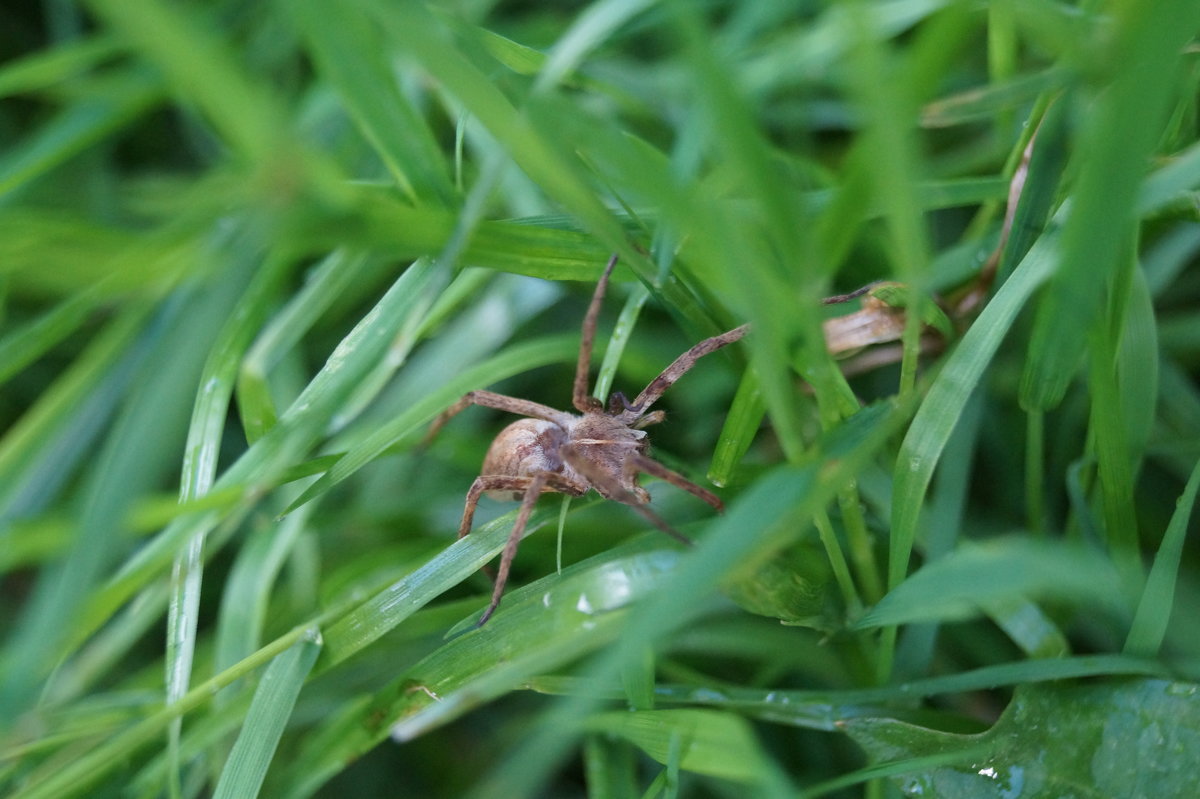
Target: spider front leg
{"x": 580, "y": 398}
{"x": 531, "y": 487}
{"x": 501, "y": 402}
{"x": 680, "y": 367}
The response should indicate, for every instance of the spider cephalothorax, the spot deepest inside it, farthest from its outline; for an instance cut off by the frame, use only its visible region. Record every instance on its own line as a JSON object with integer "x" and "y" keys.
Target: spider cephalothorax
{"x": 601, "y": 448}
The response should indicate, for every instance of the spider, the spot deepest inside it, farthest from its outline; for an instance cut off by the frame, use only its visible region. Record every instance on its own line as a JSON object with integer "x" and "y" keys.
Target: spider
{"x": 601, "y": 448}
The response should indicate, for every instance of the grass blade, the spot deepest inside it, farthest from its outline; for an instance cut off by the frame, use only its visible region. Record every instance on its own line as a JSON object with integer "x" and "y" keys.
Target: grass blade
{"x": 247, "y": 765}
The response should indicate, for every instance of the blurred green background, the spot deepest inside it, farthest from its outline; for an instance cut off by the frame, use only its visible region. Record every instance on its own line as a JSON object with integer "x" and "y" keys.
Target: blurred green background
{"x": 249, "y": 251}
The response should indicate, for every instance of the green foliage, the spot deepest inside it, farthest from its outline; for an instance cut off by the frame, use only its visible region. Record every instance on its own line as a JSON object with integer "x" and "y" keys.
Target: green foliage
{"x": 248, "y": 252}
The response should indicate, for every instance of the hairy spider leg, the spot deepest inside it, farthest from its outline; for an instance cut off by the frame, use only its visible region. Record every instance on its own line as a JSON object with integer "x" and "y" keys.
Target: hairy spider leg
{"x": 532, "y": 487}
{"x": 676, "y": 370}
{"x": 580, "y": 397}
{"x": 501, "y": 402}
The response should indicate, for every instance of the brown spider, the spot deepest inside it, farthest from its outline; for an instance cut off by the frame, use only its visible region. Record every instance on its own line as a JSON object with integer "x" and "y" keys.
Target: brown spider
{"x": 562, "y": 452}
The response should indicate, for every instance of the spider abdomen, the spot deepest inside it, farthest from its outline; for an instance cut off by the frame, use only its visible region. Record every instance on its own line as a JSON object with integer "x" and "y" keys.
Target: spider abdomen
{"x": 524, "y": 448}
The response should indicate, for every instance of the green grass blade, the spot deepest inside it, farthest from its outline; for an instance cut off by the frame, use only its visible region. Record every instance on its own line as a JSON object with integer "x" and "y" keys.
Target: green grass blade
{"x": 143, "y": 438}
{"x": 46, "y": 68}
{"x": 328, "y": 281}
{"x": 382, "y": 612}
{"x": 1111, "y": 157}
{"x": 741, "y": 425}
{"x": 350, "y": 53}
{"x": 200, "y": 67}
{"x": 24, "y": 345}
{"x": 958, "y": 585}
{"x": 713, "y": 743}
{"x": 576, "y": 612}
{"x": 78, "y": 127}
{"x": 1154, "y": 610}
{"x": 247, "y": 765}
{"x": 201, "y": 451}
{"x": 943, "y": 405}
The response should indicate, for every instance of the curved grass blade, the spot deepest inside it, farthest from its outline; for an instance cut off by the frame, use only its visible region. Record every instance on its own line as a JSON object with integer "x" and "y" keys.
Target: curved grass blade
{"x": 45, "y": 68}
{"x": 710, "y": 742}
{"x": 959, "y": 585}
{"x": 826, "y": 710}
{"x": 349, "y": 53}
{"x": 200, "y": 454}
{"x": 943, "y": 404}
{"x": 382, "y": 612}
{"x": 25, "y": 344}
{"x": 141, "y": 441}
{"x": 328, "y": 280}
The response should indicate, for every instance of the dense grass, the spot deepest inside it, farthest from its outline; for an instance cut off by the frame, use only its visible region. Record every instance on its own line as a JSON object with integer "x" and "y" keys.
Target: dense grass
{"x": 248, "y": 251}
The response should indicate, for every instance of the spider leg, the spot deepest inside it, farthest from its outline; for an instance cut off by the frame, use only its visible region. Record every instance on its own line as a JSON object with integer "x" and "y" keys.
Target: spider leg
{"x": 640, "y": 463}
{"x": 532, "y": 487}
{"x": 501, "y": 402}
{"x": 677, "y": 370}
{"x": 579, "y": 396}
{"x": 651, "y": 418}
{"x": 609, "y": 486}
